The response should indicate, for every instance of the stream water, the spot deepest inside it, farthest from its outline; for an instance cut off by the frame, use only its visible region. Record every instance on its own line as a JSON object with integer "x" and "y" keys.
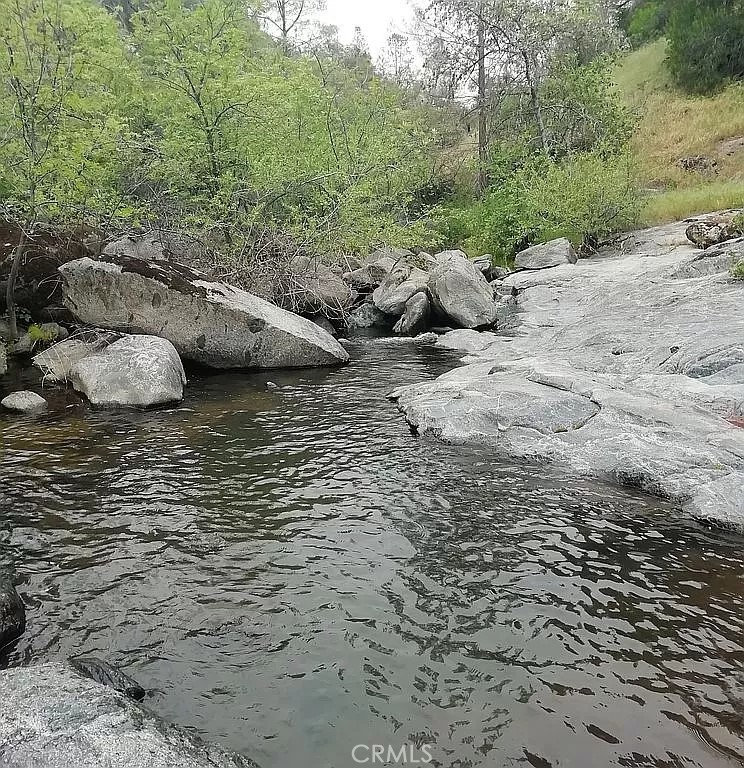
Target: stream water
{"x": 292, "y": 573}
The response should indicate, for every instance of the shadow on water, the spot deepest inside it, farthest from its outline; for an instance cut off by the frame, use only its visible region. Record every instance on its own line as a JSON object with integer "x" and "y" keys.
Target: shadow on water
{"x": 294, "y": 573}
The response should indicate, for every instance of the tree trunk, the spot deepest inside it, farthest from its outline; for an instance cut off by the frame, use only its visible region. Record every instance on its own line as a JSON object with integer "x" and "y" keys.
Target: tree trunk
{"x": 536, "y": 104}
{"x": 15, "y": 267}
{"x": 482, "y": 108}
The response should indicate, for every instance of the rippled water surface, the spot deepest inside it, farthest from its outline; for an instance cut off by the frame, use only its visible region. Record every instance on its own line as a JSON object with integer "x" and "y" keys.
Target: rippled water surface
{"x": 293, "y": 573}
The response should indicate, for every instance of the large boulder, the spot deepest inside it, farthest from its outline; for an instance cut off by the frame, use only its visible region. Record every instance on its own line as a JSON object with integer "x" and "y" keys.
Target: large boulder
{"x": 136, "y": 371}
{"x": 24, "y": 401}
{"x": 415, "y": 318}
{"x": 56, "y": 362}
{"x": 402, "y": 283}
{"x": 370, "y": 276}
{"x": 368, "y": 316}
{"x": 546, "y": 255}
{"x": 211, "y": 323}
{"x": 459, "y": 290}
{"x": 714, "y": 230}
{"x": 12, "y": 613}
{"x": 52, "y": 717}
{"x": 315, "y": 288}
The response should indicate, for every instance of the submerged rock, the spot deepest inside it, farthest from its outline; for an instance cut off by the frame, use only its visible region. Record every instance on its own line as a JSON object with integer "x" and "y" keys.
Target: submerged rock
{"x": 107, "y": 674}
{"x": 460, "y": 291}
{"x": 24, "y": 402}
{"x": 546, "y": 255}
{"x": 136, "y": 370}
{"x": 52, "y": 717}
{"x": 208, "y": 322}
{"x": 12, "y": 613}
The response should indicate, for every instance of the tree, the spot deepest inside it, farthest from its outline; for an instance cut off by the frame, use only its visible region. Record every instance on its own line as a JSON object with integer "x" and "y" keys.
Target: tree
{"x": 287, "y": 19}
{"x": 61, "y": 62}
{"x": 396, "y": 60}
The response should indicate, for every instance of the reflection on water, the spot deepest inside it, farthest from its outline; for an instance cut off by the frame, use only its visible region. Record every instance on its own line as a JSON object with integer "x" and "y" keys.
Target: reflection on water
{"x": 293, "y": 573}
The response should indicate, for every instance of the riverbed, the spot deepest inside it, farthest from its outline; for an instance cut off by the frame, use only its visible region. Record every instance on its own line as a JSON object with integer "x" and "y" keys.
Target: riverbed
{"x": 291, "y": 572}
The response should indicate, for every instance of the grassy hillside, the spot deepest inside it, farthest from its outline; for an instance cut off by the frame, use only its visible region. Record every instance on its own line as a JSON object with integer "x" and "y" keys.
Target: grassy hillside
{"x": 673, "y": 126}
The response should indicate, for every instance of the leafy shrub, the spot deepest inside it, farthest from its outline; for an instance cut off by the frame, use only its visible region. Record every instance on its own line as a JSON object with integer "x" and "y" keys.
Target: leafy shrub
{"x": 706, "y": 43}
{"x": 585, "y": 197}
{"x": 737, "y": 271}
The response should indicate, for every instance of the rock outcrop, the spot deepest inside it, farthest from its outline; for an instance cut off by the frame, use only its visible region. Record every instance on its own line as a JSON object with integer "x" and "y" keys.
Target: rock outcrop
{"x": 12, "y": 613}
{"x": 459, "y": 291}
{"x": 24, "y": 401}
{"x": 712, "y": 230}
{"x": 315, "y": 288}
{"x": 397, "y": 288}
{"x": 138, "y": 371}
{"x": 208, "y": 322}
{"x": 52, "y": 717}
{"x": 624, "y": 366}
{"x": 415, "y": 317}
{"x": 546, "y": 255}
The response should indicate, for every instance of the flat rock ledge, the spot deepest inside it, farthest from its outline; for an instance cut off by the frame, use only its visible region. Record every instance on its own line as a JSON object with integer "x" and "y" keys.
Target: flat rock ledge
{"x": 52, "y": 717}
{"x": 627, "y": 366}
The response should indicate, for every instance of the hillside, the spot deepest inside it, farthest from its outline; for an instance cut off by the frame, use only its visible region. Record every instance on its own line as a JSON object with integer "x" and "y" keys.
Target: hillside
{"x": 690, "y": 149}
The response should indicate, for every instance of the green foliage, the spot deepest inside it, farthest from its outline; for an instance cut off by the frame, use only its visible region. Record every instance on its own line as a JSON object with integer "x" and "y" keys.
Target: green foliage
{"x": 706, "y": 43}
{"x": 38, "y": 334}
{"x": 585, "y": 197}
{"x": 646, "y": 21}
{"x": 737, "y": 271}
{"x": 584, "y": 110}
{"x": 64, "y": 86}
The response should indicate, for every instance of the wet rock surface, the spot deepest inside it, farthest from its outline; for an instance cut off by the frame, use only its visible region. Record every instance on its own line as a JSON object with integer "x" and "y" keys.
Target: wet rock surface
{"x": 12, "y": 611}
{"x": 654, "y": 355}
{"x": 53, "y": 717}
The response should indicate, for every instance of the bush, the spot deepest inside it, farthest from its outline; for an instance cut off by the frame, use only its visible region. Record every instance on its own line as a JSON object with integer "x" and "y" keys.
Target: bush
{"x": 706, "y": 43}
{"x": 737, "y": 271}
{"x": 586, "y": 197}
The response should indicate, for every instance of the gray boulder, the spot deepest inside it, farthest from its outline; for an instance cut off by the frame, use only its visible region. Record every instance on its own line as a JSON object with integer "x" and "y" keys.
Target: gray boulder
{"x": 415, "y": 316}
{"x": 12, "y": 613}
{"x": 53, "y": 718}
{"x": 713, "y": 230}
{"x": 368, "y": 316}
{"x": 546, "y": 255}
{"x": 55, "y": 363}
{"x": 316, "y": 288}
{"x": 136, "y": 371}
{"x": 24, "y": 402}
{"x": 206, "y": 321}
{"x": 461, "y": 292}
{"x": 370, "y": 276}
{"x": 402, "y": 283}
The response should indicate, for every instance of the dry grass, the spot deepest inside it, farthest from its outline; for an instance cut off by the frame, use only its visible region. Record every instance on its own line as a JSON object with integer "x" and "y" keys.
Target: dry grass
{"x": 674, "y": 125}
